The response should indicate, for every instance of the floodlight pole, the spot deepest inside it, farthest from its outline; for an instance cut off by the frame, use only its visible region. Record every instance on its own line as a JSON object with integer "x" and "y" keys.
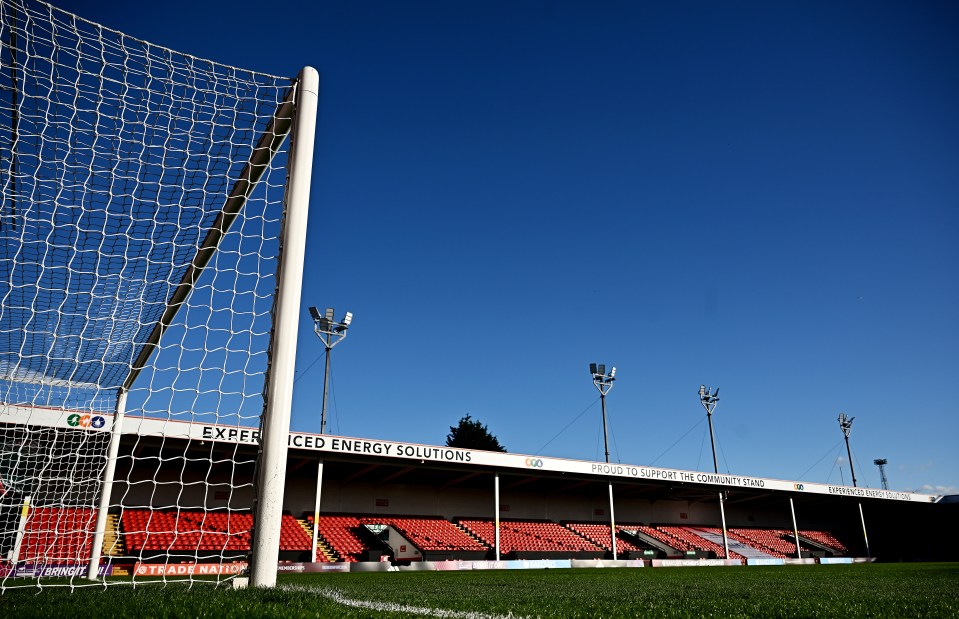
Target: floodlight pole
{"x": 881, "y": 463}
{"x": 604, "y": 383}
{"x": 709, "y": 402}
{"x": 845, "y": 424}
{"x": 330, "y": 333}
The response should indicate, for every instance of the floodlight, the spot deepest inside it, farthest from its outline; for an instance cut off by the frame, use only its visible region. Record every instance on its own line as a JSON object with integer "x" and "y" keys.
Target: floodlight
{"x": 603, "y": 383}
{"x": 330, "y": 333}
{"x": 845, "y": 424}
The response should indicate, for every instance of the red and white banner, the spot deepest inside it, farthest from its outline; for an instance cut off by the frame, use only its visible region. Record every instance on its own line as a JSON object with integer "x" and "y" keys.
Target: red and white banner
{"x": 189, "y": 569}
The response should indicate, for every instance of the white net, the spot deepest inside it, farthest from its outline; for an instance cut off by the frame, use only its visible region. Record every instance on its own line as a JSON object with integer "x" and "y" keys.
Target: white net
{"x": 138, "y": 255}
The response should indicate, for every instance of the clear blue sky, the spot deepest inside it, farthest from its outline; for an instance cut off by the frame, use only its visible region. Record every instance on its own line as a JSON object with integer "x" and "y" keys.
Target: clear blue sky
{"x": 760, "y": 196}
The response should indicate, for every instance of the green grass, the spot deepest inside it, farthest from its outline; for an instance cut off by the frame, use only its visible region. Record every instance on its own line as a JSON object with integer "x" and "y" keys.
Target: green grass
{"x": 878, "y": 590}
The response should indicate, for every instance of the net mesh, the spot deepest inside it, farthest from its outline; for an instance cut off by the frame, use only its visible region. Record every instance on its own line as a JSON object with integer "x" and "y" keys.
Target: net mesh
{"x": 116, "y": 159}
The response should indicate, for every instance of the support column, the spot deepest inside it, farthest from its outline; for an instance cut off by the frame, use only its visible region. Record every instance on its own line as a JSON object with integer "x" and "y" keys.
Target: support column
{"x": 106, "y": 487}
{"x": 316, "y": 506}
{"x": 865, "y": 537}
{"x": 722, "y": 515}
{"x": 612, "y": 520}
{"x": 792, "y": 510}
{"x": 496, "y": 514}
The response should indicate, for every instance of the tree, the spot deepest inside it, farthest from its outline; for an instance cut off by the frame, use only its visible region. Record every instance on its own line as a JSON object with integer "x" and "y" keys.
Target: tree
{"x": 471, "y": 434}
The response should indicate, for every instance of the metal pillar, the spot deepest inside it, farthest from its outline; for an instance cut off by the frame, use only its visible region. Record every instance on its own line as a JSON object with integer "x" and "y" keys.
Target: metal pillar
{"x": 326, "y": 390}
{"x": 316, "y": 508}
{"x": 612, "y": 519}
{"x": 865, "y": 537}
{"x": 602, "y": 400}
{"x": 792, "y": 510}
{"x": 496, "y": 514}
{"x": 845, "y": 424}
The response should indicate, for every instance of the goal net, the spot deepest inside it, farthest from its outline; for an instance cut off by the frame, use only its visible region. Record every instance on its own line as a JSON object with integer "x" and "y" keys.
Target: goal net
{"x": 152, "y": 221}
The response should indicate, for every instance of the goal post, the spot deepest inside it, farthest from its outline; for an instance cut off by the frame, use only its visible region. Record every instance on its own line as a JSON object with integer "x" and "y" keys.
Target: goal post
{"x": 153, "y": 216}
{"x": 300, "y": 120}
{"x": 275, "y": 423}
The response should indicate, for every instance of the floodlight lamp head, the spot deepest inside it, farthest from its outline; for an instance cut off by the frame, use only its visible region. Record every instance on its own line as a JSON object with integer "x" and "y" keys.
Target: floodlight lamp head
{"x": 601, "y": 369}
{"x": 706, "y": 396}
{"x": 592, "y": 368}
{"x": 612, "y": 374}
{"x": 347, "y": 319}
{"x": 315, "y": 314}
{"x": 329, "y": 314}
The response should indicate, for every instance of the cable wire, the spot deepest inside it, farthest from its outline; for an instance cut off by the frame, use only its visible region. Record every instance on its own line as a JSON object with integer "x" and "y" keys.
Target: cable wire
{"x": 702, "y": 445}
{"x": 566, "y": 427}
{"x": 829, "y": 451}
{"x": 307, "y": 368}
{"x": 723, "y": 453}
{"x": 836, "y": 462}
{"x": 693, "y": 427}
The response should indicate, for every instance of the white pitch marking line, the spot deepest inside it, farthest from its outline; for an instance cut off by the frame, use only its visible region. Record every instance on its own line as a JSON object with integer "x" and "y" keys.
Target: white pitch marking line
{"x": 444, "y": 613}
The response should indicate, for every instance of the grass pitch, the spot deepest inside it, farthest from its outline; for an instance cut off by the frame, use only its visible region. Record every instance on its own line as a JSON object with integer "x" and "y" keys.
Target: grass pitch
{"x": 878, "y": 590}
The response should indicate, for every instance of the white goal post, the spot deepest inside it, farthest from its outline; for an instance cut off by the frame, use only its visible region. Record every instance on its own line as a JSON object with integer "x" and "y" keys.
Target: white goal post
{"x": 153, "y": 216}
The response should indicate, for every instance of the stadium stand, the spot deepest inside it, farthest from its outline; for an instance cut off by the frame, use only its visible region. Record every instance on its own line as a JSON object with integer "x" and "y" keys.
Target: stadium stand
{"x": 599, "y": 535}
{"x": 777, "y": 542}
{"x": 61, "y": 535}
{"x": 345, "y": 536}
{"x": 532, "y": 536}
{"x": 186, "y": 531}
{"x": 824, "y": 538}
{"x": 342, "y": 535}
{"x": 684, "y": 539}
{"x": 669, "y": 540}
{"x": 432, "y": 533}
{"x": 64, "y": 535}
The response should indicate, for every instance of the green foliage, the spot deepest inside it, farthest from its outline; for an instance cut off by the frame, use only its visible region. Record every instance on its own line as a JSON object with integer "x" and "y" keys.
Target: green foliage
{"x": 879, "y": 590}
{"x": 471, "y": 434}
